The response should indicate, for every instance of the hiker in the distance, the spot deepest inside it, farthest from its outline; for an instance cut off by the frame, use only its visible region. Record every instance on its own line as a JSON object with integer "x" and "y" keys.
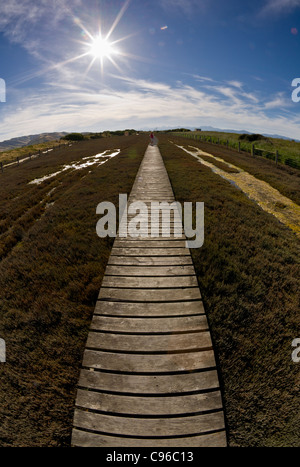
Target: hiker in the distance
{"x": 152, "y": 138}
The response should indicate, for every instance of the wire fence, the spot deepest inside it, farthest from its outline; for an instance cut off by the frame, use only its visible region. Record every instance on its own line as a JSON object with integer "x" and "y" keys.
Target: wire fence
{"x": 240, "y": 146}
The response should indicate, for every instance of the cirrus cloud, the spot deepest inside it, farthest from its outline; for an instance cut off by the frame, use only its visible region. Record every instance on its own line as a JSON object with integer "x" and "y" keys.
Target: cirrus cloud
{"x": 279, "y": 6}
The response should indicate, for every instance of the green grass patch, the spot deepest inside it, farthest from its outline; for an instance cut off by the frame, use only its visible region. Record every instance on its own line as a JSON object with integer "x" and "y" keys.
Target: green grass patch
{"x": 13, "y": 154}
{"x": 288, "y": 150}
{"x": 281, "y": 177}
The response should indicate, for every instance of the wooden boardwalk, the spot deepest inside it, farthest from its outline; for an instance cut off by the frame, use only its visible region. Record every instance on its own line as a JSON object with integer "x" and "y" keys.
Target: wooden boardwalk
{"x": 148, "y": 375}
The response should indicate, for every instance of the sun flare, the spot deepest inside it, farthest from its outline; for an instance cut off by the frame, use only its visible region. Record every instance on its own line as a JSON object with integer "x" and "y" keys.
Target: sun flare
{"x": 101, "y": 48}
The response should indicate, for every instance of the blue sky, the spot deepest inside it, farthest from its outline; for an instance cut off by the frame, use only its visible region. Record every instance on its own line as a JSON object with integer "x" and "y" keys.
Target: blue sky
{"x": 196, "y": 63}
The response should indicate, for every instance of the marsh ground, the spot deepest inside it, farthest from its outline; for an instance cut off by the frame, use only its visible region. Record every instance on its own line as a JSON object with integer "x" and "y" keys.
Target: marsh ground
{"x": 51, "y": 269}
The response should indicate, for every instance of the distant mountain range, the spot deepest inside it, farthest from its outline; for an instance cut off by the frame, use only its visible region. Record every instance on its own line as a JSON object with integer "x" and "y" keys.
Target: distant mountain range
{"x": 21, "y": 141}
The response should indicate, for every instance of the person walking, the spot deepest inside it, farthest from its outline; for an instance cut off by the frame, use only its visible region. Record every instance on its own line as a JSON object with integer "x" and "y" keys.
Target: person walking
{"x": 152, "y": 138}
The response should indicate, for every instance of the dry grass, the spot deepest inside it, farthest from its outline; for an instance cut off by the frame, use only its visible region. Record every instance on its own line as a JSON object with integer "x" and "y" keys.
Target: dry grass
{"x": 248, "y": 271}
{"x": 50, "y": 275}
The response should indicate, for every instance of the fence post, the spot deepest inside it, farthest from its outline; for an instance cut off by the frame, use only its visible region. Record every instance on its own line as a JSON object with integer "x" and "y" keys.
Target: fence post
{"x": 276, "y": 156}
{"x": 239, "y": 146}
{"x": 252, "y": 150}
{"x": 1, "y": 165}
{"x": 18, "y": 160}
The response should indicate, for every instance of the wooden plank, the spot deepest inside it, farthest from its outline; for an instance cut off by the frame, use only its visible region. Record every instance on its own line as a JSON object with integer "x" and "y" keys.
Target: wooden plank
{"x": 149, "y": 282}
{"x": 151, "y": 212}
{"x": 150, "y": 238}
{"x": 147, "y": 325}
{"x": 86, "y": 439}
{"x": 149, "y": 309}
{"x": 187, "y": 361}
{"x": 130, "y": 426}
{"x": 149, "y": 384}
{"x": 150, "y": 252}
{"x": 148, "y": 242}
{"x": 145, "y": 234}
{"x": 156, "y": 405}
{"x": 150, "y": 260}
{"x": 148, "y": 343}
{"x": 149, "y": 197}
{"x": 149, "y": 271}
{"x": 140, "y": 222}
{"x": 150, "y": 295}
{"x": 155, "y": 220}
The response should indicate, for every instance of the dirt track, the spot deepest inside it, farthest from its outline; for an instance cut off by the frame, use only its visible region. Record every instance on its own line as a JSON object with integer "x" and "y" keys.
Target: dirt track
{"x": 267, "y": 197}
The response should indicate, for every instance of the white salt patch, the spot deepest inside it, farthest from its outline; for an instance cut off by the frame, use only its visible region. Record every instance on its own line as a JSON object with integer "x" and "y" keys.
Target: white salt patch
{"x": 91, "y": 160}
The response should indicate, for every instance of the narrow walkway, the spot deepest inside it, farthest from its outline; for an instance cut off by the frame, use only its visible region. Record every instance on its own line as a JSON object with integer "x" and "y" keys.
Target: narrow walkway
{"x": 149, "y": 375}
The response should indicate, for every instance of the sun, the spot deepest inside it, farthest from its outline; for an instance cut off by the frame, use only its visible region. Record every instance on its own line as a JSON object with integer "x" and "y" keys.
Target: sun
{"x": 101, "y": 48}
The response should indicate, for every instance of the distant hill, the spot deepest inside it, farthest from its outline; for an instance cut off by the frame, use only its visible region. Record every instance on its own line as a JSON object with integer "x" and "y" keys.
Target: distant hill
{"x": 211, "y": 128}
{"x": 29, "y": 140}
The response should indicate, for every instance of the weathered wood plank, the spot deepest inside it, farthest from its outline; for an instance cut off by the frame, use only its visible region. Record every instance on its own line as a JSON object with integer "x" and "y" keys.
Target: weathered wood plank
{"x": 113, "y": 424}
{"x": 148, "y": 343}
{"x": 85, "y": 439}
{"x": 149, "y": 271}
{"x": 156, "y": 405}
{"x": 149, "y": 282}
{"x": 147, "y": 325}
{"x": 149, "y": 243}
{"x": 150, "y": 295}
{"x": 187, "y": 361}
{"x": 149, "y": 309}
{"x": 150, "y": 260}
{"x": 149, "y": 384}
{"x": 150, "y": 252}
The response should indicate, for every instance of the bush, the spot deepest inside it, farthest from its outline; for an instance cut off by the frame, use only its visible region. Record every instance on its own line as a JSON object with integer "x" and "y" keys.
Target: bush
{"x": 251, "y": 138}
{"x": 74, "y": 137}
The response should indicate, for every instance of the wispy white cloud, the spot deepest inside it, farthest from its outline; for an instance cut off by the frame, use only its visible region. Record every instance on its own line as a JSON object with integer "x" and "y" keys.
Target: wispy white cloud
{"x": 141, "y": 104}
{"x": 278, "y": 102}
{"x": 202, "y": 78}
{"x": 279, "y": 6}
{"x": 188, "y": 7}
{"x": 236, "y": 84}
{"x": 28, "y": 22}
